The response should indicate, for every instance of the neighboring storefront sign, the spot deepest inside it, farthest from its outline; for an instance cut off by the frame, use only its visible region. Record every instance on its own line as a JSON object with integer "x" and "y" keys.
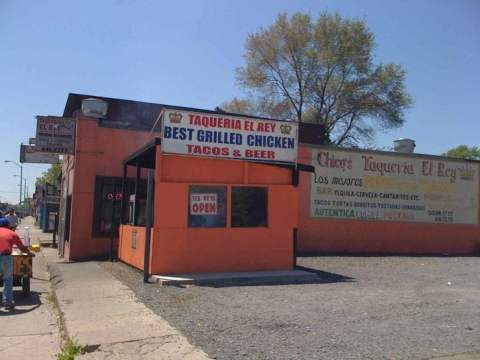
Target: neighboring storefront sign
{"x": 224, "y": 136}
{"x": 30, "y": 154}
{"x": 203, "y": 204}
{"x": 52, "y": 195}
{"x": 373, "y": 186}
{"x": 55, "y": 134}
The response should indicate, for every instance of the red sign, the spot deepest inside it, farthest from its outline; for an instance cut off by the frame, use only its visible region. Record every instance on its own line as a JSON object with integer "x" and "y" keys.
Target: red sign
{"x": 203, "y": 204}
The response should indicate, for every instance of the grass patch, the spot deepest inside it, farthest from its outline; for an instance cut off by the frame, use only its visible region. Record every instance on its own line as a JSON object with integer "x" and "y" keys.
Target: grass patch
{"x": 69, "y": 350}
{"x": 51, "y": 298}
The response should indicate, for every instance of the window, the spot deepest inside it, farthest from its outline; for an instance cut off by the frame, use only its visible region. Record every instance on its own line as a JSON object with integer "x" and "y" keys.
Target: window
{"x": 207, "y": 206}
{"x": 249, "y": 206}
{"x": 108, "y": 199}
{"x": 138, "y": 216}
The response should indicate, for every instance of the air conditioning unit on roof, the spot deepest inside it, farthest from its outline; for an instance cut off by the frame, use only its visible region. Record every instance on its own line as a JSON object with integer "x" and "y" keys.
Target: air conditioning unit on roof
{"x": 95, "y": 108}
{"x": 404, "y": 145}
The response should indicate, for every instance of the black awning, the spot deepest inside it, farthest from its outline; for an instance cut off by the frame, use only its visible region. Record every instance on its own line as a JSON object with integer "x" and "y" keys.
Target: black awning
{"x": 145, "y": 156}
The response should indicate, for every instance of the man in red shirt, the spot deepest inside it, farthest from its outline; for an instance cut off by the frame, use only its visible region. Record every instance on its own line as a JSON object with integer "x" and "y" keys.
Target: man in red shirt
{"x": 8, "y": 239}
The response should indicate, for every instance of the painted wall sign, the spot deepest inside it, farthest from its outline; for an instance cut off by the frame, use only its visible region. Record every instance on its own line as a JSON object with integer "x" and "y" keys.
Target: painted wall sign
{"x": 30, "y": 154}
{"x": 55, "y": 134}
{"x": 224, "y": 136}
{"x": 370, "y": 186}
{"x": 203, "y": 204}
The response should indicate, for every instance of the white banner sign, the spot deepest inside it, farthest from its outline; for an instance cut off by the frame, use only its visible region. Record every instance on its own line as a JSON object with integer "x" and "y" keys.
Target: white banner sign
{"x": 370, "y": 186}
{"x": 203, "y": 204}
{"x": 30, "y": 154}
{"x": 224, "y": 136}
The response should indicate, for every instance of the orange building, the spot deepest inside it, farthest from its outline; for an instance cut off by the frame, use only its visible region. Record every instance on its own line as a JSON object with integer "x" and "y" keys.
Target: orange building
{"x": 93, "y": 196}
{"x": 249, "y": 215}
{"x": 92, "y": 174}
{"x": 440, "y": 216}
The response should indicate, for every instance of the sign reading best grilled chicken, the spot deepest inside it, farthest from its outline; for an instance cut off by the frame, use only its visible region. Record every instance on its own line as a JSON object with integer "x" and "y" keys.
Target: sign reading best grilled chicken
{"x": 377, "y": 186}
{"x": 224, "y": 136}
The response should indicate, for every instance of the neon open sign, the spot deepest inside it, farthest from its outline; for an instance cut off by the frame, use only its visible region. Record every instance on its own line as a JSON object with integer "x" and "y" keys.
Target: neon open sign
{"x": 114, "y": 196}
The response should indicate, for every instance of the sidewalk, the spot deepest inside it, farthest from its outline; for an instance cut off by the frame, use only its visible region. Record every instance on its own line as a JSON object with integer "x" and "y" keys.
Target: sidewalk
{"x": 30, "y": 331}
{"x": 105, "y": 316}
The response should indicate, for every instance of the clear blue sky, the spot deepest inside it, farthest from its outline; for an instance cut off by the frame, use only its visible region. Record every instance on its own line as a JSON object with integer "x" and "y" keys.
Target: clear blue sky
{"x": 185, "y": 53}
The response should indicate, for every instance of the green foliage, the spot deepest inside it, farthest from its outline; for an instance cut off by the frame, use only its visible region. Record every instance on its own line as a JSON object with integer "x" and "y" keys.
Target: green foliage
{"x": 321, "y": 71}
{"x": 464, "y": 152}
{"x": 51, "y": 175}
{"x": 70, "y": 350}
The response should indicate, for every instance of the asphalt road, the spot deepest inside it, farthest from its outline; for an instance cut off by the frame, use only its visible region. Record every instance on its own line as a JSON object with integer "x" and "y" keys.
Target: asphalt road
{"x": 361, "y": 308}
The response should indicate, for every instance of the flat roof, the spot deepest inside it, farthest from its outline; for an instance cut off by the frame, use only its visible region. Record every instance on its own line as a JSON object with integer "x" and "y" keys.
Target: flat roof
{"x": 142, "y": 116}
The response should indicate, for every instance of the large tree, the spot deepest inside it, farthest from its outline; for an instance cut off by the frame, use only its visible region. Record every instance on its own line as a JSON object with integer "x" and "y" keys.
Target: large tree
{"x": 321, "y": 71}
{"x": 464, "y": 152}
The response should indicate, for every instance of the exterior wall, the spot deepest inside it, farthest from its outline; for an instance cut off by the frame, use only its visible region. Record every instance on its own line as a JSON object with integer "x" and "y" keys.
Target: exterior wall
{"x": 178, "y": 249}
{"x": 357, "y": 236}
{"x": 126, "y": 251}
{"x": 99, "y": 151}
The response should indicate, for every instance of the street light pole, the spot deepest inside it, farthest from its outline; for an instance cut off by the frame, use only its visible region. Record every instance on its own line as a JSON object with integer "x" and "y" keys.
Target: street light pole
{"x": 25, "y": 195}
{"x": 21, "y": 177}
{"x": 25, "y": 198}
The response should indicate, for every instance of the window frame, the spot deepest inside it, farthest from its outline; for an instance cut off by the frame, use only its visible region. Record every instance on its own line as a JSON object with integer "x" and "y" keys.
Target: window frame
{"x": 100, "y": 182}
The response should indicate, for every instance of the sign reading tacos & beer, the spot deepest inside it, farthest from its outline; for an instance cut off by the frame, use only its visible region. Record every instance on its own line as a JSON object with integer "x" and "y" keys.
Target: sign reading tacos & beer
{"x": 224, "y": 136}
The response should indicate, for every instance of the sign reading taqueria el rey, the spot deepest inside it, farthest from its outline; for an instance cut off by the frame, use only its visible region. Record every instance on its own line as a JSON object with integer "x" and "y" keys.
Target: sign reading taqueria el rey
{"x": 370, "y": 186}
{"x": 224, "y": 136}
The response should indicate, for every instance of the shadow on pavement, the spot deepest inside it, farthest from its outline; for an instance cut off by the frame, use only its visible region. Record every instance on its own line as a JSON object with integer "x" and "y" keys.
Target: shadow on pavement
{"x": 322, "y": 277}
{"x": 325, "y": 276}
{"x": 31, "y": 301}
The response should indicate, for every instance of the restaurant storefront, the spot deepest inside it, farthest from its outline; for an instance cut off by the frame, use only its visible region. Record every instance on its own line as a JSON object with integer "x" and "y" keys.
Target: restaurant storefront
{"x": 230, "y": 194}
{"x": 225, "y": 193}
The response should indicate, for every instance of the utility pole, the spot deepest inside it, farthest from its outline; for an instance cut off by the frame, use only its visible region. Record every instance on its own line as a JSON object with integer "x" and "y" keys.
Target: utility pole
{"x": 25, "y": 198}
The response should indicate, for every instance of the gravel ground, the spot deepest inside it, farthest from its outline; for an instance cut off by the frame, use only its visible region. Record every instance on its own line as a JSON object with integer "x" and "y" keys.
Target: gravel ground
{"x": 360, "y": 308}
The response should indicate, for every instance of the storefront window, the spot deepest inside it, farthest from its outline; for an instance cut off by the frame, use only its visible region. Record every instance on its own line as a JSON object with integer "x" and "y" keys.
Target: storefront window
{"x": 108, "y": 199}
{"x": 207, "y": 206}
{"x": 249, "y": 206}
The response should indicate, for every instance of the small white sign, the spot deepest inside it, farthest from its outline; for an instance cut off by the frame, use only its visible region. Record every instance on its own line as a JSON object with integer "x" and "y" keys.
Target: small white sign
{"x": 203, "y": 204}
{"x": 30, "y": 154}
